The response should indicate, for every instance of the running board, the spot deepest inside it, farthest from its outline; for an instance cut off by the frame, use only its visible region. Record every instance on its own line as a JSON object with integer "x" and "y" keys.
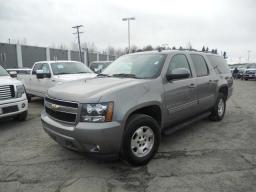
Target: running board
{"x": 168, "y": 131}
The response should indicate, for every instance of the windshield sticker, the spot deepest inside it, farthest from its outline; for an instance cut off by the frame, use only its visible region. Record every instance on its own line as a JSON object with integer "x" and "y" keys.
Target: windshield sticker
{"x": 60, "y": 66}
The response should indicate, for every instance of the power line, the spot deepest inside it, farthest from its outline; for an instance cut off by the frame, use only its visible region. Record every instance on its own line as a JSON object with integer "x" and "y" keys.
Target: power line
{"x": 78, "y": 37}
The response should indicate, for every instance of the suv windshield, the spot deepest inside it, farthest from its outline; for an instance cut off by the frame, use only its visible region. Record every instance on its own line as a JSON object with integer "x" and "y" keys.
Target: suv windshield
{"x": 3, "y": 72}
{"x": 60, "y": 68}
{"x": 138, "y": 66}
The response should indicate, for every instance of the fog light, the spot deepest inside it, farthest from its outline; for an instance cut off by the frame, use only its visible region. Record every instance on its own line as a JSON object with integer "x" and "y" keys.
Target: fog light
{"x": 23, "y": 105}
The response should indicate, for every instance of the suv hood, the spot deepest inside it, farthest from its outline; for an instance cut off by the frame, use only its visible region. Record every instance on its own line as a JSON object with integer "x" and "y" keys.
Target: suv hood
{"x": 71, "y": 77}
{"x": 7, "y": 80}
{"x": 91, "y": 90}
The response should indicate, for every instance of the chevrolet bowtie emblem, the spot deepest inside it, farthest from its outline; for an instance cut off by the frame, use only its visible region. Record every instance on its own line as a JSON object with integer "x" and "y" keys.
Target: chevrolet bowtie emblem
{"x": 55, "y": 107}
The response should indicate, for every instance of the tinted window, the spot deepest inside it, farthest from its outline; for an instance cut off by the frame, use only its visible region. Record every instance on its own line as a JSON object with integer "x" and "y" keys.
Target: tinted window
{"x": 219, "y": 64}
{"x": 200, "y": 65}
{"x": 36, "y": 67}
{"x": 45, "y": 68}
{"x": 178, "y": 62}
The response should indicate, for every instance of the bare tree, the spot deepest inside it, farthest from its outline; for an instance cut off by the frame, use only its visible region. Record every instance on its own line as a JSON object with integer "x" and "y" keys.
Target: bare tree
{"x": 148, "y": 48}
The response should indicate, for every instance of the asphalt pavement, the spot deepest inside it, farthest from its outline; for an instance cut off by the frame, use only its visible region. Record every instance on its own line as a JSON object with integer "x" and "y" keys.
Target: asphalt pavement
{"x": 206, "y": 156}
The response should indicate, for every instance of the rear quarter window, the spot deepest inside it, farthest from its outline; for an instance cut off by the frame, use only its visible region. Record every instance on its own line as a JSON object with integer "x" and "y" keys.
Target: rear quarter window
{"x": 219, "y": 64}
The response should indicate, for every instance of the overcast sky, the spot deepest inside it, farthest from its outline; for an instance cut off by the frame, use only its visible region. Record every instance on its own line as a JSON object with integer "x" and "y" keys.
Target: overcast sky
{"x": 228, "y": 25}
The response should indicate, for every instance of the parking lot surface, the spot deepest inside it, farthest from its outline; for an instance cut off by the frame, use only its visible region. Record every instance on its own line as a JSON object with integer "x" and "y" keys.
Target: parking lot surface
{"x": 207, "y": 156}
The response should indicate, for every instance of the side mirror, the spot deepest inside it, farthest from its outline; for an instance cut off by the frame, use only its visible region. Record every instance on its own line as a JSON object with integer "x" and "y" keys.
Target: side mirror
{"x": 13, "y": 74}
{"x": 40, "y": 74}
{"x": 179, "y": 73}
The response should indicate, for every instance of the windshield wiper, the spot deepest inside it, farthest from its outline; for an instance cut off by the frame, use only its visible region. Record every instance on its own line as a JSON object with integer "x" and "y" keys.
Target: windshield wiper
{"x": 82, "y": 72}
{"x": 103, "y": 75}
{"x": 63, "y": 73}
{"x": 126, "y": 75}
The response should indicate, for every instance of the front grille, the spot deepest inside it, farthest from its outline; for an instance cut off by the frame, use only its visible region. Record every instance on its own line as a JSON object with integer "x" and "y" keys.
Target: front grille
{"x": 10, "y": 109}
{"x": 7, "y": 92}
{"x": 250, "y": 72}
{"x": 61, "y": 115}
{"x": 61, "y": 110}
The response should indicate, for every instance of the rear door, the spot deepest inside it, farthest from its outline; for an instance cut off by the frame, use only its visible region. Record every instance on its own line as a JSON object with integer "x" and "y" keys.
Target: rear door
{"x": 206, "y": 83}
{"x": 180, "y": 95}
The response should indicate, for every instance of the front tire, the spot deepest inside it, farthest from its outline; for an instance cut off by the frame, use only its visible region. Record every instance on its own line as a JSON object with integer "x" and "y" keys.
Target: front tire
{"x": 141, "y": 139}
{"x": 219, "y": 108}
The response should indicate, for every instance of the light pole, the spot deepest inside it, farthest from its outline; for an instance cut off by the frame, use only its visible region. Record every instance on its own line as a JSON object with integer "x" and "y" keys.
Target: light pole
{"x": 128, "y": 20}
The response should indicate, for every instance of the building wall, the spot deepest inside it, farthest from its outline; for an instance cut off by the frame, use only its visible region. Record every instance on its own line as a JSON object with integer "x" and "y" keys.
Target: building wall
{"x": 8, "y": 55}
{"x": 103, "y": 57}
{"x": 92, "y": 57}
{"x": 75, "y": 56}
{"x": 31, "y": 54}
{"x": 112, "y": 58}
{"x": 58, "y": 54}
{"x": 15, "y": 56}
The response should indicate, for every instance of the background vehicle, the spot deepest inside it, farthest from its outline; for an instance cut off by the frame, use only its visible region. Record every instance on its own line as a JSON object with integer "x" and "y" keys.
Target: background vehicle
{"x": 240, "y": 73}
{"x": 249, "y": 71}
{"x": 46, "y": 74}
{"x": 13, "y": 101}
{"x": 138, "y": 97}
{"x": 19, "y": 72}
{"x": 99, "y": 66}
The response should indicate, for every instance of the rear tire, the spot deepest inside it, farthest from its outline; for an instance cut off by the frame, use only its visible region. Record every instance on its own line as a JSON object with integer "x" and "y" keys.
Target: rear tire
{"x": 219, "y": 108}
{"x": 141, "y": 139}
{"x": 22, "y": 116}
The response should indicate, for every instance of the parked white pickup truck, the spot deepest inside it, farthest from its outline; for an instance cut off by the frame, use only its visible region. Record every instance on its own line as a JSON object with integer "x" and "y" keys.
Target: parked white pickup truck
{"x": 46, "y": 74}
{"x": 13, "y": 100}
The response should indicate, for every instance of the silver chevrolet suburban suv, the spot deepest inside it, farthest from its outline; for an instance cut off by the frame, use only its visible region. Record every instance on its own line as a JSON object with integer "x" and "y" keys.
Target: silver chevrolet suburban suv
{"x": 138, "y": 97}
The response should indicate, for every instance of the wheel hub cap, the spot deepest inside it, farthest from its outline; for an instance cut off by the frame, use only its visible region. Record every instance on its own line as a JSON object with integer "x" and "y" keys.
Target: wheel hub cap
{"x": 142, "y": 141}
{"x": 221, "y": 107}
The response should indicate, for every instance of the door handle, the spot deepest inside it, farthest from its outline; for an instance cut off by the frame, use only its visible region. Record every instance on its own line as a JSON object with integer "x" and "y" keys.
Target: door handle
{"x": 213, "y": 81}
{"x": 192, "y": 85}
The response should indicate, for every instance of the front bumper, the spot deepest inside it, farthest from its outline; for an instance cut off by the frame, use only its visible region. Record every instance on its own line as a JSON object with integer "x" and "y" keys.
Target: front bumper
{"x": 249, "y": 76}
{"x": 101, "y": 138}
{"x": 22, "y": 105}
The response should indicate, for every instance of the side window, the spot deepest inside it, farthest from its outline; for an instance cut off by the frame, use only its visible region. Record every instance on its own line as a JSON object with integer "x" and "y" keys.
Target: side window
{"x": 200, "y": 65}
{"x": 179, "y": 62}
{"x": 36, "y": 67}
{"x": 45, "y": 68}
{"x": 219, "y": 64}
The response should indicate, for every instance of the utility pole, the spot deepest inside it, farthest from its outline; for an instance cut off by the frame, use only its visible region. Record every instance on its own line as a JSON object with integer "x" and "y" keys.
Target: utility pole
{"x": 78, "y": 37}
{"x": 128, "y": 20}
{"x": 249, "y": 56}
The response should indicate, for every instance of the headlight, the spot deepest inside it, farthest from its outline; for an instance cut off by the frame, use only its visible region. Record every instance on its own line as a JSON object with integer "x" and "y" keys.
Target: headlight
{"x": 20, "y": 91}
{"x": 97, "y": 112}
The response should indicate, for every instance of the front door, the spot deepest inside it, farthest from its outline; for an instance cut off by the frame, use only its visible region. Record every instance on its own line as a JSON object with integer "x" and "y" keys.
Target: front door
{"x": 180, "y": 95}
